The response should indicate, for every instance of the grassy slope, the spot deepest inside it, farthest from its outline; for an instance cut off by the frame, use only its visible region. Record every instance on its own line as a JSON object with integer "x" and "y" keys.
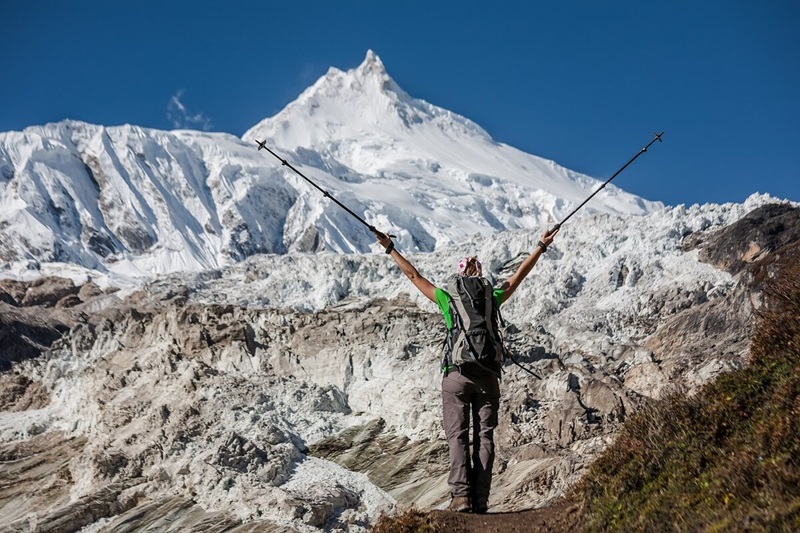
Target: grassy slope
{"x": 726, "y": 459}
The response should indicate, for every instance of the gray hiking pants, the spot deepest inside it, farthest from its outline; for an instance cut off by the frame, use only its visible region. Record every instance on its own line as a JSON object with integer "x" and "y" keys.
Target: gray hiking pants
{"x": 464, "y": 396}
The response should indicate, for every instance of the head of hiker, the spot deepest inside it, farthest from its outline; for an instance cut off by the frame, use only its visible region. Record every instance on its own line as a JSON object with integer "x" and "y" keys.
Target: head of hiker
{"x": 469, "y": 266}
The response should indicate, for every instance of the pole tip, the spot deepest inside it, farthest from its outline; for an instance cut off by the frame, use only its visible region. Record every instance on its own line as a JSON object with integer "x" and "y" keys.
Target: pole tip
{"x": 658, "y": 136}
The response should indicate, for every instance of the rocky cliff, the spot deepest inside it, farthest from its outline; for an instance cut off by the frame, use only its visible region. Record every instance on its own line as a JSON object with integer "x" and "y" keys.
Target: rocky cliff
{"x": 189, "y": 405}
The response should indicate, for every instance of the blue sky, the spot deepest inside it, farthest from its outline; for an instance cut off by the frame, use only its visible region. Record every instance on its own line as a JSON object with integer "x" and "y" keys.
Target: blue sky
{"x": 584, "y": 83}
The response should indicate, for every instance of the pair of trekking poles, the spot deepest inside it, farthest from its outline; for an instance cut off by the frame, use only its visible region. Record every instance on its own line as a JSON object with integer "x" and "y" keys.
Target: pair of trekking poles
{"x": 262, "y": 145}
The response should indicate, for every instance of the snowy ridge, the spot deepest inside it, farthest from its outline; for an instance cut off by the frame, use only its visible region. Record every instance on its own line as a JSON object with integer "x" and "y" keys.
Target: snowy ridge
{"x": 135, "y": 202}
{"x": 132, "y": 200}
{"x": 580, "y": 266}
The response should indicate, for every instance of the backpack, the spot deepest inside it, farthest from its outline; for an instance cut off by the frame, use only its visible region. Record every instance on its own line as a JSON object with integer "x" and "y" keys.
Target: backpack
{"x": 475, "y": 335}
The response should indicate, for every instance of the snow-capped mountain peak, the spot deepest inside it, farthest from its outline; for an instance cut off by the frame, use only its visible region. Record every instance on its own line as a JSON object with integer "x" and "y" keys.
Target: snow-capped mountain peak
{"x": 346, "y": 104}
{"x": 373, "y": 63}
{"x": 139, "y": 201}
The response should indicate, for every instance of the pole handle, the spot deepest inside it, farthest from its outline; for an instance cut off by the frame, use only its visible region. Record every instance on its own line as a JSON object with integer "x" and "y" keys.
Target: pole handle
{"x": 373, "y": 229}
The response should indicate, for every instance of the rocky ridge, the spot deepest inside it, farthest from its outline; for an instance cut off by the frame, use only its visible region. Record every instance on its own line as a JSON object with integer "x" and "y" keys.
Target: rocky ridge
{"x": 177, "y": 405}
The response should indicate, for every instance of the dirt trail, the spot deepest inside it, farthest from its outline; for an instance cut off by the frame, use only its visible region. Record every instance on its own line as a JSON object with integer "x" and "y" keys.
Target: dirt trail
{"x": 558, "y": 518}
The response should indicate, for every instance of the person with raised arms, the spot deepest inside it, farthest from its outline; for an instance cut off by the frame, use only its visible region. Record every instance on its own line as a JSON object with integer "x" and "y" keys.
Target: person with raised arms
{"x": 470, "y": 367}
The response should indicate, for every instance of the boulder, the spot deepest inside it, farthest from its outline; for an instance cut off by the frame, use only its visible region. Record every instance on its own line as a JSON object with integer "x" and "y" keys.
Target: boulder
{"x": 47, "y": 292}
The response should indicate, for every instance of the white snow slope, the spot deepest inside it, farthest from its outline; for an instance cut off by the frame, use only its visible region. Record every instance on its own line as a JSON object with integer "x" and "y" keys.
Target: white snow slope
{"x": 137, "y": 202}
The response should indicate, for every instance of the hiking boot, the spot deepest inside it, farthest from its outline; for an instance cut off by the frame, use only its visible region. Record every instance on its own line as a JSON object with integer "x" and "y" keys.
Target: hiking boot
{"x": 480, "y": 505}
{"x": 460, "y": 504}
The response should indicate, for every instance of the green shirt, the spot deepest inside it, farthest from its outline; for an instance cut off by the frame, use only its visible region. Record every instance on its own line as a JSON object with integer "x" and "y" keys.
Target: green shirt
{"x": 443, "y": 301}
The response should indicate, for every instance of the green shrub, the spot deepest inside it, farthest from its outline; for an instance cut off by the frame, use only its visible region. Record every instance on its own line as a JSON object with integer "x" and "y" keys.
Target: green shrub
{"x": 725, "y": 459}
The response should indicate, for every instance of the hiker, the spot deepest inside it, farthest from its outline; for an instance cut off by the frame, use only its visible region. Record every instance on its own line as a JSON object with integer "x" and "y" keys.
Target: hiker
{"x": 471, "y": 377}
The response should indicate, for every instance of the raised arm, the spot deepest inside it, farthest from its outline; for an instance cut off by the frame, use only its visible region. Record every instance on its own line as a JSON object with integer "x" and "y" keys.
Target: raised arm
{"x": 511, "y": 284}
{"x": 425, "y": 287}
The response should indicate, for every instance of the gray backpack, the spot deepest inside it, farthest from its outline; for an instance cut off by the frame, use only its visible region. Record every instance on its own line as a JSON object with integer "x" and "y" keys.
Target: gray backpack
{"x": 475, "y": 335}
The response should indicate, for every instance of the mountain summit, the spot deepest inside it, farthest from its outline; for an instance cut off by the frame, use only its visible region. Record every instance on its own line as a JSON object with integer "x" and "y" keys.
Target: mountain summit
{"x": 350, "y": 105}
{"x": 137, "y": 201}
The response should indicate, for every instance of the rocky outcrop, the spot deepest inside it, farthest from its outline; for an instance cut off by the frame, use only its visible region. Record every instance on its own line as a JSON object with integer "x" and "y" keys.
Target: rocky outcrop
{"x": 28, "y": 324}
{"x": 48, "y": 292}
{"x": 27, "y": 332}
{"x": 12, "y": 291}
{"x": 722, "y": 326}
{"x": 166, "y": 408}
{"x": 36, "y": 478}
{"x": 20, "y": 393}
{"x": 761, "y": 232}
{"x": 411, "y": 471}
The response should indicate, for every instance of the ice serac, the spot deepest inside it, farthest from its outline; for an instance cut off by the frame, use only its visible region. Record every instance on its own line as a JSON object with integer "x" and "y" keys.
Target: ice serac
{"x": 136, "y": 201}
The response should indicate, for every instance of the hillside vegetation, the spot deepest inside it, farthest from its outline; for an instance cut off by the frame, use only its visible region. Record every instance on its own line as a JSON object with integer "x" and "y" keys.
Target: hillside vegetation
{"x": 727, "y": 458}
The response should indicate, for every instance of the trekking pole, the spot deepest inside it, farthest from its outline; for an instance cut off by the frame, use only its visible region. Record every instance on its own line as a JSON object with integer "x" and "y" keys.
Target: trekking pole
{"x": 263, "y": 144}
{"x": 503, "y": 324}
{"x": 640, "y": 152}
{"x": 531, "y": 372}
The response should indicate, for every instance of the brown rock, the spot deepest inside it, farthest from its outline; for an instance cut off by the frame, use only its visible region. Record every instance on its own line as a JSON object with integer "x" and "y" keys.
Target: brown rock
{"x": 12, "y": 291}
{"x": 26, "y": 332}
{"x": 88, "y": 291}
{"x": 70, "y": 300}
{"x": 48, "y": 291}
{"x": 762, "y": 231}
{"x": 20, "y": 393}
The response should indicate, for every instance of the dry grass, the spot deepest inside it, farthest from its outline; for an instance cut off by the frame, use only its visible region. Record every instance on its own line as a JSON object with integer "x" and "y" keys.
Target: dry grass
{"x": 726, "y": 459}
{"x": 410, "y": 521}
